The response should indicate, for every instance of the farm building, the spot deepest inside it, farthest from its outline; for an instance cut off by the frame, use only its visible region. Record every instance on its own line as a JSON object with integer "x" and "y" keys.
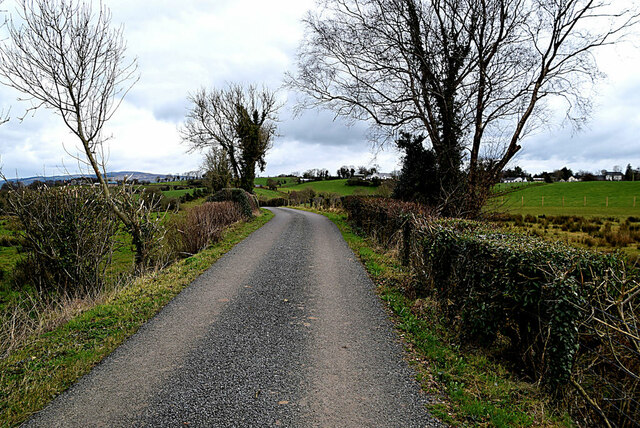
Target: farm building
{"x": 513, "y": 180}
{"x": 381, "y": 176}
{"x": 613, "y": 175}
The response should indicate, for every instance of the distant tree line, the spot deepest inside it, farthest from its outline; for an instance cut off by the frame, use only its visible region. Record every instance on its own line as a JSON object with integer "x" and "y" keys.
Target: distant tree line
{"x": 565, "y": 173}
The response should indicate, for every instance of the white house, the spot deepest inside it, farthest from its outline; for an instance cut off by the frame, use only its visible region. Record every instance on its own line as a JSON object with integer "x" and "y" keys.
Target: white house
{"x": 513, "y": 180}
{"x": 572, "y": 179}
{"x": 613, "y": 175}
{"x": 381, "y": 175}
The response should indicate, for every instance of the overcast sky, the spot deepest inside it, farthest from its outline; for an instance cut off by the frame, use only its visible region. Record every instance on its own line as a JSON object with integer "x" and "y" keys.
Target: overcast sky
{"x": 209, "y": 43}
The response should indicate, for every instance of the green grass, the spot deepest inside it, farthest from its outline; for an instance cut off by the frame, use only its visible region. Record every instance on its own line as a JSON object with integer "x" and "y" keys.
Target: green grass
{"x": 8, "y": 259}
{"x": 263, "y": 193}
{"x": 325, "y": 186}
{"x": 586, "y": 199}
{"x": 30, "y": 377}
{"x": 178, "y": 193}
{"x": 170, "y": 183}
{"x": 334, "y": 186}
{"x": 288, "y": 181}
{"x": 474, "y": 390}
{"x": 9, "y": 256}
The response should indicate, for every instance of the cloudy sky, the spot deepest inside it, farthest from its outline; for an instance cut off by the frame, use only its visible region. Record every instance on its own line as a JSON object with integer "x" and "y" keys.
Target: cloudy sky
{"x": 209, "y": 43}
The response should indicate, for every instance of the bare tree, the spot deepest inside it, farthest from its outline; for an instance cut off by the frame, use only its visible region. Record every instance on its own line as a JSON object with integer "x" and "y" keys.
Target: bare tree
{"x": 241, "y": 121}
{"x": 66, "y": 57}
{"x": 472, "y": 75}
{"x": 216, "y": 169}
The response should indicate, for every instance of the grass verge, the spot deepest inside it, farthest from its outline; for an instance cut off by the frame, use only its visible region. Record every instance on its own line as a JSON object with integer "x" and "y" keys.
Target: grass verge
{"x": 470, "y": 388}
{"x": 32, "y": 376}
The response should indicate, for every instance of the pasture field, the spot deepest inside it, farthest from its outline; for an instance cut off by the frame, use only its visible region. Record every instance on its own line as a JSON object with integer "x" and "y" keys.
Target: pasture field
{"x": 170, "y": 183}
{"x": 264, "y": 193}
{"x": 325, "y": 186}
{"x": 584, "y": 199}
{"x": 334, "y": 186}
{"x": 600, "y": 215}
{"x": 597, "y": 233}
{"x": 288, "y": 181}
{"x": 9, "y": 256}
{"x": 180, "y": 192}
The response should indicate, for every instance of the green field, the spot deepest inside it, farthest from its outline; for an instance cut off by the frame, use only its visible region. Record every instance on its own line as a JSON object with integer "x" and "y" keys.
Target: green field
{"x": 334, "y": 186}
{"x": 586, "y": 199}
{"x": 179, "y": 192}
{"x": 264, "y": 193}
{"x": 325, "y": 186}
{"x": 170, "y": 183}
{"x": 288, "y": 181}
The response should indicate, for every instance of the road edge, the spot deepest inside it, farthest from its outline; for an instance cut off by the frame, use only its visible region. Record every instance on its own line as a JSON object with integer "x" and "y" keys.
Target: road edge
{"x": 31, "y": 377}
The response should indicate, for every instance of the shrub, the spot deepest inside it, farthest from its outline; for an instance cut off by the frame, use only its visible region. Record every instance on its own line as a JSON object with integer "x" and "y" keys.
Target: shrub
{"x": 589, "y": 228}
{"x": 9, "y": 241}
{"x": 203, "y": 225}
{"x": 274, "y": 202}
{"x": 303, "y": 196}
{"x": 383, "y": 219}
{"x": 68, "y": 235}
{"x": 248, "y": 202}
{"x": 153, "y": 197}
{"x": 357, "y": 182}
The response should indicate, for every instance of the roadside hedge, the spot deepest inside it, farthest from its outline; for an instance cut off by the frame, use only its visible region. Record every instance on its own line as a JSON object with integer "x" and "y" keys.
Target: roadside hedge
{"x": 566, "y": 317}
{"x": 248, "y": 202}
{"x": 274, "y": 202}
{"x": 382, "y": 219}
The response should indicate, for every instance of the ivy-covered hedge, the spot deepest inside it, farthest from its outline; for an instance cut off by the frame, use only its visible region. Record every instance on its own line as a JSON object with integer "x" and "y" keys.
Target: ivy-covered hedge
{"x": 248, "y": 202}
{"x": 565, "y": 316}
{"x": 530, "y": 291}
{"x": 274, "y": 202}
{"x": 383, "y": 219}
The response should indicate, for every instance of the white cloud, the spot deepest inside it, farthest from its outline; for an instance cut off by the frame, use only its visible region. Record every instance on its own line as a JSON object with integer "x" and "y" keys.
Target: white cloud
{"x": 181, "y": 46}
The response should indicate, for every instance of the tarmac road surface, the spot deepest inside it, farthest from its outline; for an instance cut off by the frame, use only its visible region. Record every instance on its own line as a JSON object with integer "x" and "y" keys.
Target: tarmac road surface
{"x": 284, "y": 330}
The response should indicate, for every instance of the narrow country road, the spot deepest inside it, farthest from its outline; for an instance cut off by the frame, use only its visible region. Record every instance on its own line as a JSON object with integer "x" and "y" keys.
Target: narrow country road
{"x": 284, "y": 330}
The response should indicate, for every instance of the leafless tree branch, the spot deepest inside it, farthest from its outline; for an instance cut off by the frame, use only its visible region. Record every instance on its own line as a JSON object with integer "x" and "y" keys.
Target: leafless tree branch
{"x": 457, "y": 70}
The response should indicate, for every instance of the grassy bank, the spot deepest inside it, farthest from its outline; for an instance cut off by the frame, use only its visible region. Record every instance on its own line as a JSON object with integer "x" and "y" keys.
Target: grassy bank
{"x": 471, "y": 388}
{"x": 49, "y": 363}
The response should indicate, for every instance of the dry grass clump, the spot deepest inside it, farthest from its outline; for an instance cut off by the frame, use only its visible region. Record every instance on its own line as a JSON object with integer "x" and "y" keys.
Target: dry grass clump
{"x": 33, "y": 315}
{"x": 203, "y": 225}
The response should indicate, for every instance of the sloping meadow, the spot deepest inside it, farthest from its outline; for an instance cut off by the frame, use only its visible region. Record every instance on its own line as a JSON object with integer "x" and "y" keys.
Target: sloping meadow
{"x": 565, "y": 318}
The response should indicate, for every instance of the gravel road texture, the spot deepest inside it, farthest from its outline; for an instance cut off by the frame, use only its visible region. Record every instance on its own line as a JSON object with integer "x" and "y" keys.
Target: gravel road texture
{"x": 284, "y": 330}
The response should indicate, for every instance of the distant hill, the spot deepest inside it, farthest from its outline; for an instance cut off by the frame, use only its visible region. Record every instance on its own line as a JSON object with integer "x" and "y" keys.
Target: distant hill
{"x": 118, "y": 175}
